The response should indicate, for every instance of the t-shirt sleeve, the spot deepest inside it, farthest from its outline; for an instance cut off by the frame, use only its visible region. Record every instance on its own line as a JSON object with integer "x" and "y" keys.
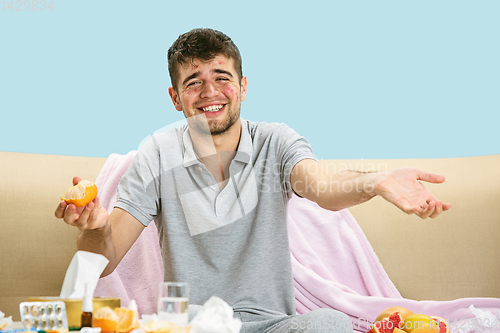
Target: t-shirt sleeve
{"x": 138, "y": 192}
{"x": 291, "y": 148}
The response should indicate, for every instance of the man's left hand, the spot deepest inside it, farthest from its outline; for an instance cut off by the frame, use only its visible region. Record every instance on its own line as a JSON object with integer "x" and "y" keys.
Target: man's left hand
{"x": 403, "y": 188}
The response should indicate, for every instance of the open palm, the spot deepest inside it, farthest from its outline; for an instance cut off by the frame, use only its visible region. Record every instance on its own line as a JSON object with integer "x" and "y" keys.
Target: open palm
{"x": 403, "y": 188}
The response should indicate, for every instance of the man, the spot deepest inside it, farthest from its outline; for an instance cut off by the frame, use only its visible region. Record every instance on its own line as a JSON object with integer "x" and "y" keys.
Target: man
{"x": 218, "y": 190}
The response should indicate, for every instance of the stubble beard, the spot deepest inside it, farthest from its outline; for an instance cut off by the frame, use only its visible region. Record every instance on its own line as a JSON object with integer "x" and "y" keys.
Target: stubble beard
{"x": 203, "y": 125}
{"x": 220, "y": 127}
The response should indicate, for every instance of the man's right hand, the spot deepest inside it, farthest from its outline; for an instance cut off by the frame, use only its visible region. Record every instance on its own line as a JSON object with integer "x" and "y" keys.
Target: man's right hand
{"x": 96, "y": 225}
{"x": 91, "y": 216}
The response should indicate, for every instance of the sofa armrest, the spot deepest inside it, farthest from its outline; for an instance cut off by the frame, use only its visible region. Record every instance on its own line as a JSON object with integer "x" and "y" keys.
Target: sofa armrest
{"x": 36, "y": 248}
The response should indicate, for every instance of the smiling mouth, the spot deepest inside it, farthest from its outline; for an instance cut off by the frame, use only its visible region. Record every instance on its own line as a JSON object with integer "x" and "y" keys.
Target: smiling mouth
{"x": 212, "y": 108}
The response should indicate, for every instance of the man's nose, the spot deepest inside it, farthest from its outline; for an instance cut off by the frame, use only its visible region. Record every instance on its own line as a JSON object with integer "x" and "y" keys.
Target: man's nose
{"x": 208, "y": 90}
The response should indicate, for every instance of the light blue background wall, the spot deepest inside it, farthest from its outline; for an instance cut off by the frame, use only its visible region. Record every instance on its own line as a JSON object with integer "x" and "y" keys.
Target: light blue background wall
{"x": 359, "y": 79}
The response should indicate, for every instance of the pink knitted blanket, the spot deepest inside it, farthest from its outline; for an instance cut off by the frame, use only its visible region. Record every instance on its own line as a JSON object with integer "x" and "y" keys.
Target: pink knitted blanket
{"x": 334, "y": 265}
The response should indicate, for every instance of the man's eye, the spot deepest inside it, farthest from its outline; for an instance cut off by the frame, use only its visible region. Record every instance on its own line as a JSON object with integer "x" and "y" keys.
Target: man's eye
{"x": 193, "y": 83}
{"x": 222, "y": 79}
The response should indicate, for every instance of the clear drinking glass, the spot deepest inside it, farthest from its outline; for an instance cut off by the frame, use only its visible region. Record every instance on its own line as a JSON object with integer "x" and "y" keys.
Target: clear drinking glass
{"x": 173, "y": 302}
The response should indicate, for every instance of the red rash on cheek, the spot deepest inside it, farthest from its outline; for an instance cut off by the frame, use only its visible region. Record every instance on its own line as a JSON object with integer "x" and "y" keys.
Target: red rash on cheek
{"x": 230, "y": 91}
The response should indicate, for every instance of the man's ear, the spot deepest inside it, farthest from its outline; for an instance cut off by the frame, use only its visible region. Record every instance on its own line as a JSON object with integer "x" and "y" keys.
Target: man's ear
{"x": 243, "y": 87}
{"x": 175, "y": 98}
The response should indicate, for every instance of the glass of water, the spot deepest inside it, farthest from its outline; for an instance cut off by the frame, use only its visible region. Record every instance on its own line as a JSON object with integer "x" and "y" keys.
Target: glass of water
{"x": 173, "y": 302}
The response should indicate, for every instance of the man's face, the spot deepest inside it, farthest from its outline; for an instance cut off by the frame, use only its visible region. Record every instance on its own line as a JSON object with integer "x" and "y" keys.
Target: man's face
{"x": 210, "y": 89}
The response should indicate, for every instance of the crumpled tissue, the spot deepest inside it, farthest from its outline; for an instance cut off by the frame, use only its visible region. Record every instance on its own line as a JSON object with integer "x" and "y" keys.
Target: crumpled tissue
{"x": 85, "y": 267}
{"x": 4, "y": 321}
{"x": 482, "y": 321}
{"x": 216, "y": 316}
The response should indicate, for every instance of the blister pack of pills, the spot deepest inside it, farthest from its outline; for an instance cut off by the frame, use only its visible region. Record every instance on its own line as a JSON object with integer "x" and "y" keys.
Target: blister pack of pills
{"x": 44, "y": 315}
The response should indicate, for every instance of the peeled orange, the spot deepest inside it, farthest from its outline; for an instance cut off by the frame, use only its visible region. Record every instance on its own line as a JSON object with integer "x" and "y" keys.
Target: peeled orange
{"x": 80, "y": 194}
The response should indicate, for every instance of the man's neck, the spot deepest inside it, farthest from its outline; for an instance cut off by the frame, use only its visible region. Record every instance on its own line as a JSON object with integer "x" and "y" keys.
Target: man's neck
{"x": 206, "y": 145}
{"x": 217, "y": 151}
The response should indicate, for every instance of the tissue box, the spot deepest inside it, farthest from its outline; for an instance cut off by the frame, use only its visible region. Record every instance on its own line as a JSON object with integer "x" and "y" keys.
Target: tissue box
{"x": 74, "y": 306}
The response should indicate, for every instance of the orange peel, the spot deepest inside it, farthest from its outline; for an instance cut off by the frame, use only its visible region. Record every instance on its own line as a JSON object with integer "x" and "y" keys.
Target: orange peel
{"x": 80, "y": 194}
{"x": 129, "y": 320}
{"x": 105, "y": 318}
{"x": 120, "y": 320}
{"x": 158, "y": 327}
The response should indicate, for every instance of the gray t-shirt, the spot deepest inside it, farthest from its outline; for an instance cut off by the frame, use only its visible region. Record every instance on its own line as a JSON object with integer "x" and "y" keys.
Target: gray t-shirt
{"x": 231, "y": 243}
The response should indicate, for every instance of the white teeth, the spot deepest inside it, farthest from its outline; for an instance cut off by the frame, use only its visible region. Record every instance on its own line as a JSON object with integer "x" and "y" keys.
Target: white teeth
{"x": 212, "y": 108}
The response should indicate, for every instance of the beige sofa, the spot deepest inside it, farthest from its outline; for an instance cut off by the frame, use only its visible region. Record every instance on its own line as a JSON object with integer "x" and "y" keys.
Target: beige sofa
{"x": 456, "y": 255}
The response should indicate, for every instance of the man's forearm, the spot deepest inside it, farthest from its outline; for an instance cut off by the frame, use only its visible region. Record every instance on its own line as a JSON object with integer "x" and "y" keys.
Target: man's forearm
{"x": 349, "y": 189}
{"x": 340, "y": 190}
{"x": 335, "y": 191}
{"x": 99, "y": 241}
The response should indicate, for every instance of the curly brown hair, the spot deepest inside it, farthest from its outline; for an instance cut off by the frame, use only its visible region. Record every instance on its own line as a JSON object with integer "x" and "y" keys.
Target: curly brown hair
{"x": 201, "y": 44}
